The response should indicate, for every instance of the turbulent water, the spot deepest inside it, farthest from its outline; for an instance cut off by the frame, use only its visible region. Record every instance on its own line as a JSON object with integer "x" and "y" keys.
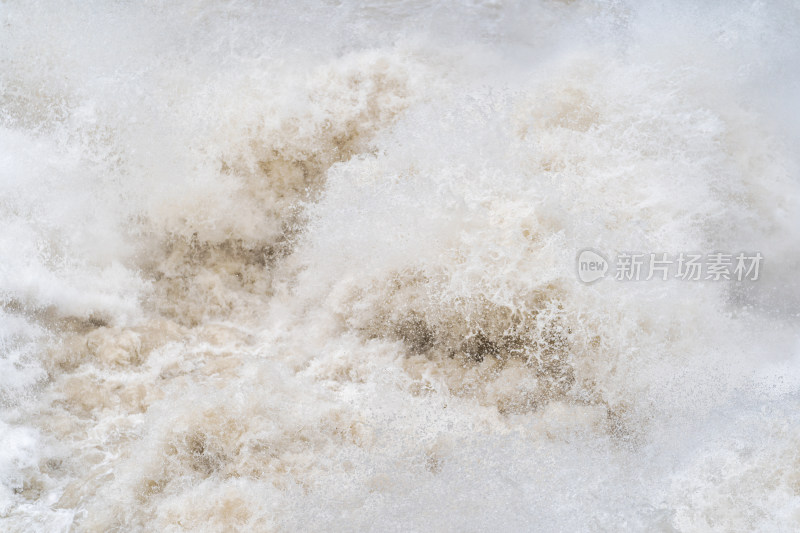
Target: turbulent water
{"x": 311, "y": 266}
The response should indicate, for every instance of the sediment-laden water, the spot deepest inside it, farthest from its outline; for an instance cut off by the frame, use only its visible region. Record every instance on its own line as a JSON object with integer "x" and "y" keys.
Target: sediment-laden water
{"x": 310, "y": 266}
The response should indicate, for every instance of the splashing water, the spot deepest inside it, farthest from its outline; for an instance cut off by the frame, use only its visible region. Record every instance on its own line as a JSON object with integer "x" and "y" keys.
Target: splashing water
{"x": 310, "y": 266}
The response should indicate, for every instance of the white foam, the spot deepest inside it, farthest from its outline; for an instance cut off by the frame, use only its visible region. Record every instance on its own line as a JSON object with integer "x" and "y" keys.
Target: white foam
{"x": 307, "y": 266}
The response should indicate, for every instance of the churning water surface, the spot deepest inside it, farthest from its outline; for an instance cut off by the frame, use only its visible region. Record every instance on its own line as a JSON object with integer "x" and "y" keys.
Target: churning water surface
{"x": 310, "y": 266}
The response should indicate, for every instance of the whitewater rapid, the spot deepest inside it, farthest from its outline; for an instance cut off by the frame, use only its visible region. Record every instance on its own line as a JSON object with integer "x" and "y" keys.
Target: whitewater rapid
{"x": 311, "y": 266}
